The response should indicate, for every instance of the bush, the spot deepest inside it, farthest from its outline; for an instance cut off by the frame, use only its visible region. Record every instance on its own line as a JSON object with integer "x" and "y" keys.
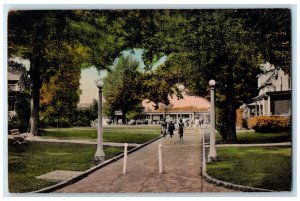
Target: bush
{"x": 80, "y": 123}
{"x": 22, "y": 109}
{"x": 109, "y": 121}
{"x": 269, "y": 123}
{"x": 132, "y": 122}
{"x": 145, "y": 122}
{"x": 52, "y": 122}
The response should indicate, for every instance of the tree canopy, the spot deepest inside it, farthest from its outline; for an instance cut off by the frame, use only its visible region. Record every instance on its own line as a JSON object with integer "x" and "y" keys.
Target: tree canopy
{"x": 227, "y": 45}
{"x": 57, "y": 40}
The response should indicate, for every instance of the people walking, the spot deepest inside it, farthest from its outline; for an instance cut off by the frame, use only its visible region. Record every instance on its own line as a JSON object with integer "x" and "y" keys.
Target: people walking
{"x": 171, "y": 128}
{"x": 180, "y": 129}
{"x": 164, "y": 128}
{"x": 197, "y": 124}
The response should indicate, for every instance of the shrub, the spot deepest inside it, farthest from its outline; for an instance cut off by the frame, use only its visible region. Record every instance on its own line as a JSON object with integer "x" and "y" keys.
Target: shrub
{"x": 52, "y": 122}
{"x": 269, "y": 123}
{"x": 80, "y": 123}
{"x": 22, "y": 109}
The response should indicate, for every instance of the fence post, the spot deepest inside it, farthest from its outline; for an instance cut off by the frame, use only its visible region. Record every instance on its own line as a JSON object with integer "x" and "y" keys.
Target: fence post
{"x": 160, "y": 159}
{"x": 125, "y": 158}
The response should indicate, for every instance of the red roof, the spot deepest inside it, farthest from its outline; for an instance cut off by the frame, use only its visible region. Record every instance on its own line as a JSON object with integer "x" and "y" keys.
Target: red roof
{"x": 187, "y": 104}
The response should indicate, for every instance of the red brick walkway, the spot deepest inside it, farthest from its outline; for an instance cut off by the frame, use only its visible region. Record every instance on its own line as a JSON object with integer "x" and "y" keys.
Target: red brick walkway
{"x": 181, "y": 167}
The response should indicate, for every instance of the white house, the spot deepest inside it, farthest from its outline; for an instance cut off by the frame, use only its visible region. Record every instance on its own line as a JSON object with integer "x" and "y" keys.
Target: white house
{"x": 17, "y": 82}
{"x": 274, "y": 97}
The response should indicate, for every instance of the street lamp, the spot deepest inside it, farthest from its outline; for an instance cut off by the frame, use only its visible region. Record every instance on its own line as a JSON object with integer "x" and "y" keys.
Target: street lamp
{"x": 212, "y": 155}
{"x": 166, "y": 107}
{"x": 100, "y": 155}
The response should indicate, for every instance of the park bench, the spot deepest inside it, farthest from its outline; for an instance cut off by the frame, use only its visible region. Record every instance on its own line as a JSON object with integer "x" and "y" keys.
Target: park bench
{"x": 17, "y": 136}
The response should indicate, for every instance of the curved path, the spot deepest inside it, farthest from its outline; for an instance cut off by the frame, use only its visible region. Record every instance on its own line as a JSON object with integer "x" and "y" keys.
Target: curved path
{"x": 181, "y": 170}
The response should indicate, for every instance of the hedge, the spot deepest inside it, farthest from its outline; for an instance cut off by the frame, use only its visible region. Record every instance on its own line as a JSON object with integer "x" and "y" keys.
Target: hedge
{"x": 269, "y": 123}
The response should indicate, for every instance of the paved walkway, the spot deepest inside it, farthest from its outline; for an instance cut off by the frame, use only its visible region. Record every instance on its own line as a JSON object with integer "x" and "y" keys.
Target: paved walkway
{"x": 181, "y": 167}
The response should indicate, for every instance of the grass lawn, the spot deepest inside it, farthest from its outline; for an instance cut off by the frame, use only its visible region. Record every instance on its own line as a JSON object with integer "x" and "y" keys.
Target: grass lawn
{"x": 112, "y": 134}
{"x": 253, "y": 137}
{"x": 262, "y": 167}
{"x": 27, "y": 161}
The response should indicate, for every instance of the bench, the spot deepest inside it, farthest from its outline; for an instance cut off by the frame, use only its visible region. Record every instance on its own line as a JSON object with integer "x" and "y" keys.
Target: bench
{"x": 17, "y": 136}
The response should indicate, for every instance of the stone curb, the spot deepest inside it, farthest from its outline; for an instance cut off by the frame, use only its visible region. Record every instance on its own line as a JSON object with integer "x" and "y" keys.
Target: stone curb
{"x": 91, "y": 170}
{"x": 228, "y": 185}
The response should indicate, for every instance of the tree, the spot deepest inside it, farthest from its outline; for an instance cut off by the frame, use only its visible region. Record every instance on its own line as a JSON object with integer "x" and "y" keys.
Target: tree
{"x": 159, "y": 84}
{"x": 46, "y": 38}
{"x": 122, "y": 86}
{"x": 271, "y": 29}
{"x": 60, "y": 96}
{"x": 220, "y": 45}
{"x": 34, "y": 35}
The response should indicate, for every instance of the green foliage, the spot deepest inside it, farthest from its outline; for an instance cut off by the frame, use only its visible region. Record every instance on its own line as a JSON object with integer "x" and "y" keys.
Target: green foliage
{"x": 33, "y": 159}
{"x": 22, "y": 108}
{"x": 271, "y": 29}
{"x": 260, "y": 138}
{"x": 122, "y": 87}
{"x": 225, "y": 45}
{"x": 58, "y": 43}
{"x": 136, "y": 113}
{"x": 135, "y": 134}
{"x": 159, "y": 83}
{"x": 83, "y": 117}
{"x": 240, "y": 165}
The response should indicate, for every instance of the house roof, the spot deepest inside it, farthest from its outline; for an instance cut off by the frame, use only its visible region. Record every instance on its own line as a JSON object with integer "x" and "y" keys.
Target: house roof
{"x": 186, "y": 104}
{"x": 278, "y": 93}
{"x": 270, "y": 74}
{"x": 272, "y": 93}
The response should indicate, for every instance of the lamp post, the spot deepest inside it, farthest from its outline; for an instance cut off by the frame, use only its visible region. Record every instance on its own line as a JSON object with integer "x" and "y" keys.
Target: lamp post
{"x": 212, "y": 155}
{"x": 100, "y": 155}
{"x": 166, "y": 107}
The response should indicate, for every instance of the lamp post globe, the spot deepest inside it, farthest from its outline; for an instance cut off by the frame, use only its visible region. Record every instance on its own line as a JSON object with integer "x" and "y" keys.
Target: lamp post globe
{"x": 99, "y": 84}
{"x": 99, "y": 155}
{"x": 212, "y": 83}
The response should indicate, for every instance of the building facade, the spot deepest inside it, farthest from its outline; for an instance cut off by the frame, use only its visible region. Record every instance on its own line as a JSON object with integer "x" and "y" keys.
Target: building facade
{"x": 17, "y": 82}
{"x": 188, "y": 109}
{"x": 274, "y": 97}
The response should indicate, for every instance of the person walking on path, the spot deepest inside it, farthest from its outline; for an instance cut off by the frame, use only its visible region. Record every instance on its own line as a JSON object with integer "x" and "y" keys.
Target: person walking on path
{"x": 180, "y": 129}
{"x": 171, "y": 128}
{"x": 197, "y": 124}
{"x": 164, "y": 128}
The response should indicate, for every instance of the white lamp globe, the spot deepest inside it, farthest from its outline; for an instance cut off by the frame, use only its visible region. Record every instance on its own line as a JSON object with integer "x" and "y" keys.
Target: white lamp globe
{"x": 99, "y": 83}
{"x": 212, "y": 83}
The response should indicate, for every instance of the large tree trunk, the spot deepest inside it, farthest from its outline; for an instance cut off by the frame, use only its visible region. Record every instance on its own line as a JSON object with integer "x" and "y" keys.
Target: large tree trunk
{"x": 35, "y": 103}
{"x": 35, "y": 87}
{"x": 123, "y": 117}
{"x": 231, "y": 116}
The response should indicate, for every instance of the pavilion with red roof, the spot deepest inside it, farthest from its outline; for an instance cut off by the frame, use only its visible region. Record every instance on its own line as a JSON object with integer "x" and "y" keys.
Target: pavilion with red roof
{"x": 187, "y": 108}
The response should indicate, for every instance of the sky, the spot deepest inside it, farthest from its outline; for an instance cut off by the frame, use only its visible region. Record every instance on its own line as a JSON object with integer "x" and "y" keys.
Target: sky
{"x": 89, "y": 77}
